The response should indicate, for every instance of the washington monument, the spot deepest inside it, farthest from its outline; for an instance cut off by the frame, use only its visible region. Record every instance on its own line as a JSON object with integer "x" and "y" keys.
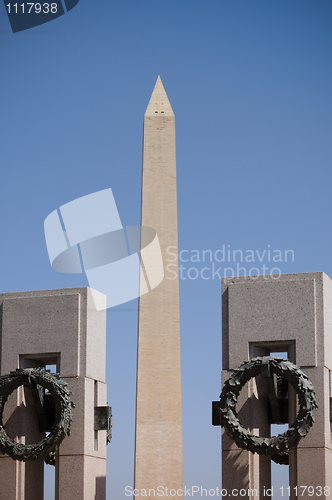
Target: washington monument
{"x": 158, "y": 446}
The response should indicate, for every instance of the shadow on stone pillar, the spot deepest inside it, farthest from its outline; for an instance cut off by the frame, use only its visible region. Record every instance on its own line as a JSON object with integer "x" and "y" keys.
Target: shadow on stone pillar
{"x": 100, "y": 488}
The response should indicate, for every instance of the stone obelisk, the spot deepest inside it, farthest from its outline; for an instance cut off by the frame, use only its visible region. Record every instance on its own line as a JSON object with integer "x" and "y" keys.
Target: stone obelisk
{"x": 158, "y": 447}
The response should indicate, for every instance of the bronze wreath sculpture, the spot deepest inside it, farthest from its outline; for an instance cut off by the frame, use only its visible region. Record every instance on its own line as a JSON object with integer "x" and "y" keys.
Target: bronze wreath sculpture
{"x": 37, "y": 377}
{"x": 277, "y": 446}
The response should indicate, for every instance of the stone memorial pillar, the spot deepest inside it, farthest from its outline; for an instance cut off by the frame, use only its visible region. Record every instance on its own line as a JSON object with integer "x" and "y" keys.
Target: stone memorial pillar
{"x": 290, "y": 314}
{"x": 62, "y": 328}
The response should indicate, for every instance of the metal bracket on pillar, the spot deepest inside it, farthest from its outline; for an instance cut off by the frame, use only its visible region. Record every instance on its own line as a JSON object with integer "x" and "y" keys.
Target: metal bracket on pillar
{"x": 103, "y": 421}
{"x": 277, "y": 388}
{"x": 45, "y": 407}
{"x": 271, "y": 380}
{"x": 216, "y": 413}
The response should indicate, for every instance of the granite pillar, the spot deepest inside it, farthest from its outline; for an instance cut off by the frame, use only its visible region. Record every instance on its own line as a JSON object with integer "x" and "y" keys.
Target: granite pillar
{"x": 293, "y": 314}
{"x": 62, "y": 328}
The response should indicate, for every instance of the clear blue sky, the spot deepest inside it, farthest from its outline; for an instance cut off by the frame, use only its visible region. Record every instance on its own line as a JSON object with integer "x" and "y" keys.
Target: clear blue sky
{"x": 250, "y": 84}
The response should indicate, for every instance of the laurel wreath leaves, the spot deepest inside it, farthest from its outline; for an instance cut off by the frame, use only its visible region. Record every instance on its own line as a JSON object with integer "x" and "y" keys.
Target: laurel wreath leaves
{"x": 277, "y": 446}
{"x": 63, "y": 414}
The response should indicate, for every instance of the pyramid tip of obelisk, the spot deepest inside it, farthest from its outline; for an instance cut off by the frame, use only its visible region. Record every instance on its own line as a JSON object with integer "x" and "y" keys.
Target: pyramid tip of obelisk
{"x": 159, "y": 103}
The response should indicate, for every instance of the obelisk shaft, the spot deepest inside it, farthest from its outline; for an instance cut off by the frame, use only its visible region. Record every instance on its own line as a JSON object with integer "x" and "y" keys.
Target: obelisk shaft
{"x": 158, "y": 447}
